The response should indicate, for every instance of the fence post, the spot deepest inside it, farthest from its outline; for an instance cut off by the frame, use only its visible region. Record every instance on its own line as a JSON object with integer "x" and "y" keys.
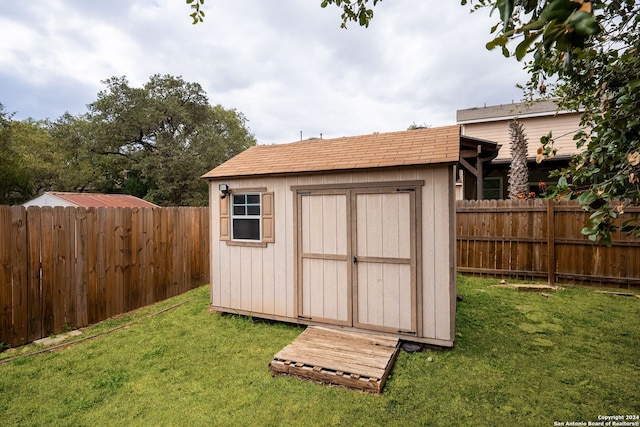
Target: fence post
{"x": 551, "y": 243}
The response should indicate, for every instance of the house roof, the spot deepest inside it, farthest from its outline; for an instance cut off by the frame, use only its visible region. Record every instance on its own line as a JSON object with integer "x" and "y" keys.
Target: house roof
{"x": 95, "y": 200}
{"x": 508, "y": 111}
{"x": 377, "y": 150}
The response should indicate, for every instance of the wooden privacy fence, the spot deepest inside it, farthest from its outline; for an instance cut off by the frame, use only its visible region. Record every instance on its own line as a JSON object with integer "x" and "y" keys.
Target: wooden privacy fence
{"x": 70, "y": 267}
{"x": 541, "y": 239}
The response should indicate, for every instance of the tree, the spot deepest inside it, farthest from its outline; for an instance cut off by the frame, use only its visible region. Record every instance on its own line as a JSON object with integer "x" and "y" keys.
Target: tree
{"x": 584, "y": 54}
{"x": 153, "y": 142}
{"x": 15, "y": 181}
{"x": 518, "y": 170}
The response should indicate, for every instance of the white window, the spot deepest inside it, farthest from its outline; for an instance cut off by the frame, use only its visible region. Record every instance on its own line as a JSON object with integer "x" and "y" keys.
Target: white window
{"x": 246, "y": 223}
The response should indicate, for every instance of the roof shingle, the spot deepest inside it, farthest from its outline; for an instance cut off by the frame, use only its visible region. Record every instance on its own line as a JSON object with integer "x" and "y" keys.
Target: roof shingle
{"x": 405, "y": 148}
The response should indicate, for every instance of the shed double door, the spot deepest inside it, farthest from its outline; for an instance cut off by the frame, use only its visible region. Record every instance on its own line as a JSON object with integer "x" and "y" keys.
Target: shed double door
{"x": 357, "y": 258}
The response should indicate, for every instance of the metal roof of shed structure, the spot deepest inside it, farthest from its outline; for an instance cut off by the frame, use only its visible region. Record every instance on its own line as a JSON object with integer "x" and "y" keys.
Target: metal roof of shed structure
{"x": 89, "y": 200}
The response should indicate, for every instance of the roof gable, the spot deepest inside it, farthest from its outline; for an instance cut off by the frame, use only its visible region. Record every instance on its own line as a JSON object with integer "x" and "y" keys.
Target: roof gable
{"x": 378, "y": 150}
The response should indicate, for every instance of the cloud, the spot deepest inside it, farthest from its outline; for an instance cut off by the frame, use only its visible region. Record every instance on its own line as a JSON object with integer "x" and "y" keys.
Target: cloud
{"x": 286, "y": 64}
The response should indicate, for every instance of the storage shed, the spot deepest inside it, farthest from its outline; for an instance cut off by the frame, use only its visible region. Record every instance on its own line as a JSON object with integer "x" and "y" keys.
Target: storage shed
{"x": 354, "y": 232}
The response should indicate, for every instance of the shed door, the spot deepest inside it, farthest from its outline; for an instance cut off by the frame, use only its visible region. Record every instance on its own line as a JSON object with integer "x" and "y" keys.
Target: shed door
{"x": 323, "y": 257}
{"x": 356, "y": 258}
{"x": 384, "y": 260}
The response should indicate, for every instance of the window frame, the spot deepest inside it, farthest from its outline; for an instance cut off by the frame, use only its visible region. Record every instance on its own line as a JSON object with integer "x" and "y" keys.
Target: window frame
{"x": 267, "y": 226}
{"x": 246, "y": 216}
{"x": 499, "y": 188}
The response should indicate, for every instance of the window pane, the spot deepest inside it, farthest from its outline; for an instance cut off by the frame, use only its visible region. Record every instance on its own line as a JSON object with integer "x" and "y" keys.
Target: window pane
{"x": 238, "y": 199}
{"x": 246, "y": 229}
{"x": 253, "y": 199}
{"x": 253, "y": 210}
{"x": 239, "y": 210}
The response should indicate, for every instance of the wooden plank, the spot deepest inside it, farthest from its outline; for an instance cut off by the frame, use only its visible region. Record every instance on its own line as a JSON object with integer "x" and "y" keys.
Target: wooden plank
{"x": 19, "y": 274}
{"x": 363, "y": 352}
{"x": 149, "y": 274}
{"x": 132, "y": 293}
{"x": 81, "y": 267}
{"x": 6, "y": 289}
{"x": 34, "y": 326}
{"x": 92, "y": 235}
{"x": 60, "y": 235}
{"x": 47, "y": 279}
{"x": 105, "y": 254}
{"x": 370, "y": 350}
{"x": 350, "y": 350}
{"x": 160, "y": 259}
{"x": 124, "y": 217}
{"x": 110, "y": 262}
{"x": 68, "y": 255}
{"x": 329, "y": 377}
{"x": 339, "y": 335}
{"x": 171, "y": 248}
{"x": 118, "y": 261}
{"x": 334, "y": 360}
{"x": 361, "y": 361}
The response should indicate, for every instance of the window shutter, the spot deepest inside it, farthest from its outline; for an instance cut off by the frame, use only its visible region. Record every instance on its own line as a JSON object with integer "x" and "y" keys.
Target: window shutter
{"x": 225, "y": 225}
{"x": 268, "y": 229}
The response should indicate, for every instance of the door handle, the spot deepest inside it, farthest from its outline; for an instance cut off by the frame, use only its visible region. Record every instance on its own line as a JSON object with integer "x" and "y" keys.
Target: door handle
{"x": 355, "y": 259}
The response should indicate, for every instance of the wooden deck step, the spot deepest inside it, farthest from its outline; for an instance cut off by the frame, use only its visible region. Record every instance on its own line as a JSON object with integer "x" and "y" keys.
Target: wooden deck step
{"x": 356, "y": 360}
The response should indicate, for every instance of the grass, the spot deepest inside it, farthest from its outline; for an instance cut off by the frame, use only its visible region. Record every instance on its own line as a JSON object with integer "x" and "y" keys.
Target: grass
{"x": 520, "y": 359}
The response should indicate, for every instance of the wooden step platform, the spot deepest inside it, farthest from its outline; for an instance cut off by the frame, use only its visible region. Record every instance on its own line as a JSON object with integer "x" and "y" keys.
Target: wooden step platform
{"x": 356, "y": 360}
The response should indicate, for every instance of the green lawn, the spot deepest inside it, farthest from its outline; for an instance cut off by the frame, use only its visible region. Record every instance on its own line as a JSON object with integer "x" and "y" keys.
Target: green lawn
{"x": 520, "y": 359}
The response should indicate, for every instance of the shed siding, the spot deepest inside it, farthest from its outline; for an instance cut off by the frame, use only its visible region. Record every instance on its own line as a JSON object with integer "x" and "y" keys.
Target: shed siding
{"x": 261, "y": 280}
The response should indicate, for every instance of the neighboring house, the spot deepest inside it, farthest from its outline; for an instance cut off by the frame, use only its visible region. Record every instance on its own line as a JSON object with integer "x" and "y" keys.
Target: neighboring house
{"x": 492, "y": 123}
{"x": 355, "y": 232}
{"x": 89, "y": 200}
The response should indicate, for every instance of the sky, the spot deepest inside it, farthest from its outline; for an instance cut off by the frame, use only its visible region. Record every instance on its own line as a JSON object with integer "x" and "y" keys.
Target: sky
{"x": 286, "y": 65}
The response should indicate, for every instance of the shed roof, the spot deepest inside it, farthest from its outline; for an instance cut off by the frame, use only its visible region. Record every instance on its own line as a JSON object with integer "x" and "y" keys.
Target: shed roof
{"x": 96, "y": 200}
{"x": 405, "y": 148}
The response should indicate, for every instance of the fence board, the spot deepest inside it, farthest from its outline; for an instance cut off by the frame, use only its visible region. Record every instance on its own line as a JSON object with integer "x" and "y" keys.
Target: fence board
{"x": 46, "y": 270}
{"x": 69, "y": 267}
{"x": 81, "y": 266}
{"x": 542, "y": 239}
{"x": 6, "y": 281}
{"x": 34, "y": 230}
{"x": 19, "y": 261}
{"x": 60, "y": 278}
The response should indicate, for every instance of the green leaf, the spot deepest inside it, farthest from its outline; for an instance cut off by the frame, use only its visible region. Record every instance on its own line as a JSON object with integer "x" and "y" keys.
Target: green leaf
{"x": 535, "y": 25}
{"x": 584, "y": 23}
{"x": 498, "y": 41}
{"x": 562, "y": 182}
{"x": 523, "y": 47}
{"x": 586, "y": 197}
{"x": 506, "y": 9}
{"x": 558, "y": 9}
